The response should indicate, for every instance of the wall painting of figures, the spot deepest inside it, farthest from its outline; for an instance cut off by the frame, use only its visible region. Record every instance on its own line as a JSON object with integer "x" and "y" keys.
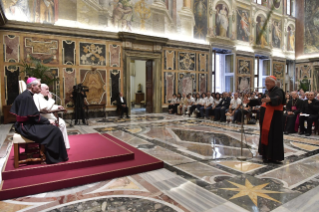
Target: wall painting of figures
{"x": 243, "y": 25}
{"x": 200, "y": 15}
{"x": 222, "y": 21}
{"x": 311, "y": 40}
{"x": 262, "y": 35}
{"x": 291, "y": 39}
{"x": 276, "y": 34}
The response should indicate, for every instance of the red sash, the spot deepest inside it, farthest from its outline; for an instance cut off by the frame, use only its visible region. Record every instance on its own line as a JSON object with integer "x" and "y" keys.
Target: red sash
{"x": 22, "y": 119}
{"x": 269, "y": 112}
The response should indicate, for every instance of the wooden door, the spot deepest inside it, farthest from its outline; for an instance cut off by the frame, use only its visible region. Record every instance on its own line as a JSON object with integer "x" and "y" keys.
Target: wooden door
{"x": 149, "y": 86}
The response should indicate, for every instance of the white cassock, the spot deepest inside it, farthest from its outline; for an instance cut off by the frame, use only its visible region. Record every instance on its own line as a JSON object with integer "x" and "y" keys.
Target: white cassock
{"x": 43, "y": 104}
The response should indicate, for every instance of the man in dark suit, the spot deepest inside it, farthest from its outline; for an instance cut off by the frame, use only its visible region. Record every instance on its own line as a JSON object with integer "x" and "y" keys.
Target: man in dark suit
{"x": 221, "y": 108}
{"x": 122, "y": 105}
{"x": 310, "y": 107}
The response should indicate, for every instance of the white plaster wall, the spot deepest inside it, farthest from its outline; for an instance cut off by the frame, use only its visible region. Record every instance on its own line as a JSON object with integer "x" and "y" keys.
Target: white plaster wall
{"x": 139, "y": 78}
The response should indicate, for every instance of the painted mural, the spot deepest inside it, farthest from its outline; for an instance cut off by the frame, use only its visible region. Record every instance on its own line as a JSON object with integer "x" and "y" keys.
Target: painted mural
{"x": 222, "y": 23}
{"x": 311, "y": 41}
{"x": 171, "y": 18}
{"x": 200, "y": 15}
{"x": 243, "y": 25}
{"x": 263, "y": 37}
{"x": 291, "y": 39}
{"x": 276, "y": 34}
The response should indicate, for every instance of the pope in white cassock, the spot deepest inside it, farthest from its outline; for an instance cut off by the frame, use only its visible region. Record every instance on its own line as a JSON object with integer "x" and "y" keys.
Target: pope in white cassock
{"x": 43, "y": 104}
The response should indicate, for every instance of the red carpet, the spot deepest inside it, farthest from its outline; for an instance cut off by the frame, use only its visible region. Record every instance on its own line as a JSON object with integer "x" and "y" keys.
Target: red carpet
{"x": 30, "y": 183}
{"x": 86, "y": 150}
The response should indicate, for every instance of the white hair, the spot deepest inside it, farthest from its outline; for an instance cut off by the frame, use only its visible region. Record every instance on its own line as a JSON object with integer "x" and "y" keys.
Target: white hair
{"x": 44, "y": 85}
{"x": 35, "y": 82}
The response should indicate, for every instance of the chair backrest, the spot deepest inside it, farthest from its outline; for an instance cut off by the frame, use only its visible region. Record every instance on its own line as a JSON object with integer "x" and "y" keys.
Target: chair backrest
{"x": 22, "y": 86}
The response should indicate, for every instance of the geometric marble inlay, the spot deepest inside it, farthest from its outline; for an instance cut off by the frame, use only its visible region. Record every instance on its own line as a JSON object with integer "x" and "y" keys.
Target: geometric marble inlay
{"x": 253, "y": 194}
{"x": 241, "y": 166}
{"x": 304, "y": 146}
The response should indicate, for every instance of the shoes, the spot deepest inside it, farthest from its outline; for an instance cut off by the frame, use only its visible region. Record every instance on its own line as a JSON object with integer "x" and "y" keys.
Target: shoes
{"x": 286, "y": 133}
{"x": 127, "y": 117}
{"x": 301, "y": 133}
{"x": 307, "y": 134}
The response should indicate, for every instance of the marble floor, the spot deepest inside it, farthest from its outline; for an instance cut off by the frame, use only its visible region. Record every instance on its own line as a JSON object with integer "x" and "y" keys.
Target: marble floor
{"x": 201, "y": 171}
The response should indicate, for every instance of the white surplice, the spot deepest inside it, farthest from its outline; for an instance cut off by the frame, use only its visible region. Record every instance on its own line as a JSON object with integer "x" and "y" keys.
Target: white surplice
{"x": 43, "y": 104}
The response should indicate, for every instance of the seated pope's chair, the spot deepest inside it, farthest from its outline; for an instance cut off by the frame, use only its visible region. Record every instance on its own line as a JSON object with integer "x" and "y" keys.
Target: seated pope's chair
{"x": 31, "y": 148}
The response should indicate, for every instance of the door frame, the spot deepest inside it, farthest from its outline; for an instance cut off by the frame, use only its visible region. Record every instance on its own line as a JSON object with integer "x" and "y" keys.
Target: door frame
{"x": 157, "y": 76}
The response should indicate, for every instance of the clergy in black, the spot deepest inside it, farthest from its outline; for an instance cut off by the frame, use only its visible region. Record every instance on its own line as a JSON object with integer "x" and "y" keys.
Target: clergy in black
{"x": 271, "y": 145}
{"x": 291, "y": 117}
{"x": 32, "y": 125}
{"x": 310, "y": 107}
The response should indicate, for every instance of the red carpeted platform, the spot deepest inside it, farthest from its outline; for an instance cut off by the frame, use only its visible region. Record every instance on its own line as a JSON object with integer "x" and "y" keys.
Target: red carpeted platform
{"x": 86, "y": 150}
{"x": 13, "y": 187}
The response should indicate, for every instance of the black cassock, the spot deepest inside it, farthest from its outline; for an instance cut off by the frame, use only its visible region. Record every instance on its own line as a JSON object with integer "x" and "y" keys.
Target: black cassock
{"x": 289, "y": 121}
{"x": 32, "y": 125}
{"x": 271, "y": 144}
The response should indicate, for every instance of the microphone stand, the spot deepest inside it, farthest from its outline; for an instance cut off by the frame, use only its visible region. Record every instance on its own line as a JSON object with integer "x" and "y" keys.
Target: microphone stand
{"x": 241, "y": 157}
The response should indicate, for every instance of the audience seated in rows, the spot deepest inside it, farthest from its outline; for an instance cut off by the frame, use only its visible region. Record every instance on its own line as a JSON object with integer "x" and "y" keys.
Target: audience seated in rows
{"x": 301, "y": 107}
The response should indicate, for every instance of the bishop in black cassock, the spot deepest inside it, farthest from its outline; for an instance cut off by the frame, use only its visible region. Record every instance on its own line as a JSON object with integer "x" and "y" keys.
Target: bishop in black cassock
{"x": 30, "y": 124}
{"x": 291, "y": 117}
{"x": 271, "y": 141}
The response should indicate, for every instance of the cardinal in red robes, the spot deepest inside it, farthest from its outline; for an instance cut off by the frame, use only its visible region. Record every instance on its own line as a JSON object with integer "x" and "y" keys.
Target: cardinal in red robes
{"x": 271, "y": 142}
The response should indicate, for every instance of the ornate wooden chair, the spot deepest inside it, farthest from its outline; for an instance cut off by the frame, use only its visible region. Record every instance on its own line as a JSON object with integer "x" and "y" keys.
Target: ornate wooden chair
{"x": 29, "y": 152}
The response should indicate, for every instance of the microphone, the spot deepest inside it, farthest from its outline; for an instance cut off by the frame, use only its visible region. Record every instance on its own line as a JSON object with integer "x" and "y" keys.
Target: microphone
{"x": 56, "y": 96}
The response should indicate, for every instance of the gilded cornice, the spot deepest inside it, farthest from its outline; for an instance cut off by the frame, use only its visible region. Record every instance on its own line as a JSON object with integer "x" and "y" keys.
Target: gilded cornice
{"x": 132, "y": 37}
{"x": 58, "y": 30}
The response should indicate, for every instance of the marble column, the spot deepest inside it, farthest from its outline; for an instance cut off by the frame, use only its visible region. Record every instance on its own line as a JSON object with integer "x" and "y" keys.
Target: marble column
{"x": 187, "y": 19}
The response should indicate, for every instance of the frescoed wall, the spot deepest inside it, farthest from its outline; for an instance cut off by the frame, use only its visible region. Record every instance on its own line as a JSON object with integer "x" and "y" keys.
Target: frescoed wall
{"x": 311, "y": 27}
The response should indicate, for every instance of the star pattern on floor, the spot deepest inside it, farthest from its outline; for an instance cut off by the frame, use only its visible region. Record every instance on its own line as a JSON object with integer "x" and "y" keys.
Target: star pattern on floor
{"x": 252, "y": 191}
